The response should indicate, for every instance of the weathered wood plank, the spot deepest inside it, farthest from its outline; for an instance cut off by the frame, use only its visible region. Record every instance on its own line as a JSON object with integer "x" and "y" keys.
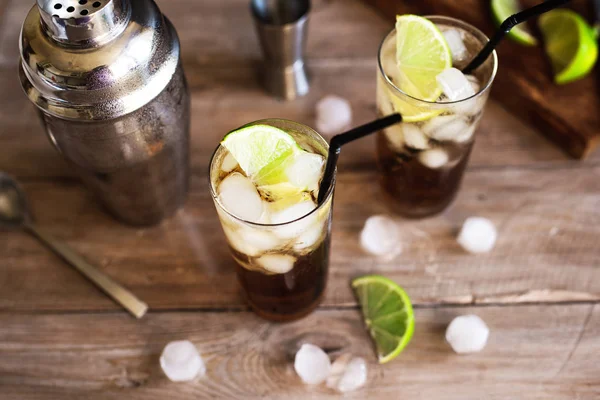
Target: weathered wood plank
{"x": 3, "y": 5}
{"x": 533, "y": 352}
{"x": 12, "y": 14}
{"x": 548, "y": 247}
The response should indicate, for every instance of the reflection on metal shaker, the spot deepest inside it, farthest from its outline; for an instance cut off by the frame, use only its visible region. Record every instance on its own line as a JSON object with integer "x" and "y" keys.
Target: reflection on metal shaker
{"x": 107, "y": 79}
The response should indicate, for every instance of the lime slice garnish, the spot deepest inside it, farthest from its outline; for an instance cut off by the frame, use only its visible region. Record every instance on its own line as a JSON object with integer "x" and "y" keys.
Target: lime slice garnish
{"x": 502, "y": 9}
{"x": 411, "y": 112}
{"x": 421, "y": 54}
{"x": 273, "y": 160}
{"x": 387, "y": 312}
{"x": 260, "y": 149}
{"x": 570, "y": 43}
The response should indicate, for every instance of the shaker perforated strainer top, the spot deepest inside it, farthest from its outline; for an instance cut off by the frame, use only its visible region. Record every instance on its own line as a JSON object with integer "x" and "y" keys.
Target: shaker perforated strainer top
{"x": 79, "y": 21}
{"x": 65, "y": 9}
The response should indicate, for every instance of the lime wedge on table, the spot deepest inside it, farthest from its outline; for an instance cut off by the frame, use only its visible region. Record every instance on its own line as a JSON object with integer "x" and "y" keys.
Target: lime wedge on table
{"x": 502, "y": 9}
{"x": 421, "y": 54}
{"x": 388, "y": 314}
{"x": 273, "y": 160}
{"x": 570, "y": 43}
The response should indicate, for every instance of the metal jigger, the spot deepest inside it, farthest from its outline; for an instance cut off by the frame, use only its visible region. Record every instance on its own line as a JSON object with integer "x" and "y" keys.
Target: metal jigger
{"x": 282, "y": 26}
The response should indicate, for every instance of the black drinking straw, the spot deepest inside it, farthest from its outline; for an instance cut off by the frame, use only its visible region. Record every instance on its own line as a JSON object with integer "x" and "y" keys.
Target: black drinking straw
{"x": 335, "y": 146}
{"x": 506, "y": 26}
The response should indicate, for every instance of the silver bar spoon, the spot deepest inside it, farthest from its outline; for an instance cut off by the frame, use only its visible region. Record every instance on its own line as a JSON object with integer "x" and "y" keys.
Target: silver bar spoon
{"x": 14, "y": 213}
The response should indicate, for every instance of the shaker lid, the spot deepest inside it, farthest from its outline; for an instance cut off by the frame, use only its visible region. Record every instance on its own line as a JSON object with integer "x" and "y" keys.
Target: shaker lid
{"x": 96, "y": 59}
{"x": 75, "y": 22}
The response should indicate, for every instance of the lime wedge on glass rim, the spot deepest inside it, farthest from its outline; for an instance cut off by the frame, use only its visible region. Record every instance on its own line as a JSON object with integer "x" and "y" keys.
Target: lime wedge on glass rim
{"x": 422, "y": 53}
{"x": 570, "y": 43}
{"x": 387, "y": 312}
{"x": 273, "y": 160}
{"x": 501, "y": 10}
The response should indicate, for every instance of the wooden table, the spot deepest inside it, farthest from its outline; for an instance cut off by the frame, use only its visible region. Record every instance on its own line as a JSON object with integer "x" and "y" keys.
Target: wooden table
{"x": 538, "y": 290}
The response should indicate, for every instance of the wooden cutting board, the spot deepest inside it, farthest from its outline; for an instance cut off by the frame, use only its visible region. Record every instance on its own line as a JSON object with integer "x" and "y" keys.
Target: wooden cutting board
{"x": 569, "y": 114}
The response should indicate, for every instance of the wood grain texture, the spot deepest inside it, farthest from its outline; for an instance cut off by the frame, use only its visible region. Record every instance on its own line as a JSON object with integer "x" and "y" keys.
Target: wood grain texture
{"x": 566, "y": 114}
{"x": 548, "y": 247}
{"x": 533, "y": 353}
{"x": 12, "y": 15}
{"x": 3, "y": 4}
{"x": 53, "y": 345}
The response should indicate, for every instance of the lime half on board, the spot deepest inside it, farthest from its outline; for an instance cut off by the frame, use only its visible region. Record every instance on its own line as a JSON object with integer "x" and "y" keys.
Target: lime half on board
{"x": 570, "y": 43}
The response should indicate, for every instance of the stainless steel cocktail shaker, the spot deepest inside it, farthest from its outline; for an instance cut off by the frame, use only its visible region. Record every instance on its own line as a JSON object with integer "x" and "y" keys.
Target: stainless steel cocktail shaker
{"x": 107, "y": 79}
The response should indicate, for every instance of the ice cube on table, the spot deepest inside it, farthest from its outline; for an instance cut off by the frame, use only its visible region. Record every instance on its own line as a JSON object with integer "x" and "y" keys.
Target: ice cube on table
{"x": 181, "y": 362}
{"x": 312, "y": 364}
{"x": 239, "y": 196}
{"x": 295, "y": 212}
{"x": 467, "y": 334}
{"x": 354, "y": 377}
{"x": 434, "y": 158}
{"x": 229, "y": 163}
{"x": 277, "y": 263}
{"x": 446, "y": 127}
{"x": 414, "y": 137}
{"x": 334, "y": 114}
{"x": 477, "y": 235}
{"x": 456, "y": 44}
{"x": 380, "y": 236}
{"x": 305, "y": 170}
{"x": 454, "y": 84}
{"x": 338, "y": 367}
